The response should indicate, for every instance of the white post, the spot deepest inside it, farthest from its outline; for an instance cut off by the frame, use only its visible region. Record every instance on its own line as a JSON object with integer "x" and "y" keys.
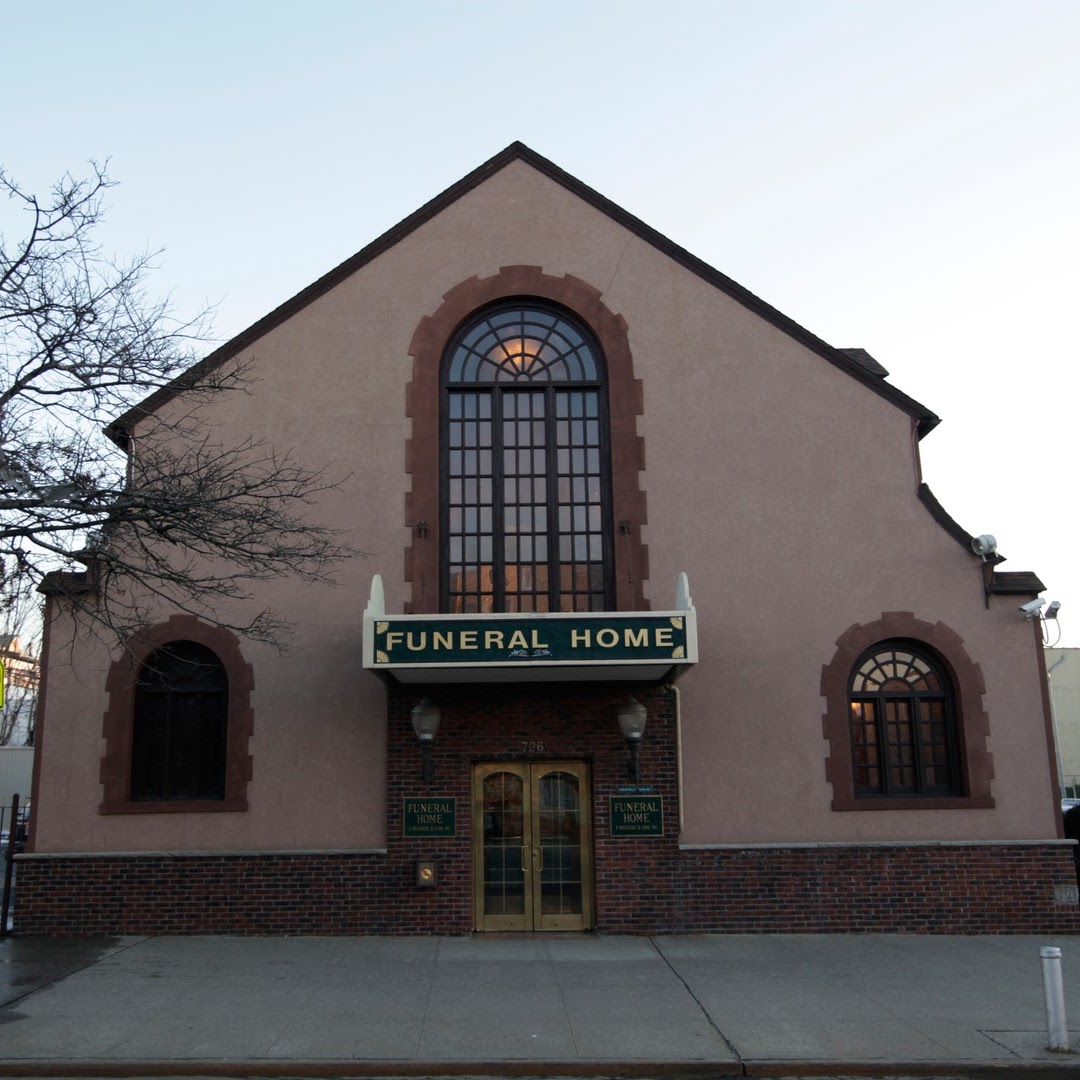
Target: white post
{"x": 1054, "y": 993}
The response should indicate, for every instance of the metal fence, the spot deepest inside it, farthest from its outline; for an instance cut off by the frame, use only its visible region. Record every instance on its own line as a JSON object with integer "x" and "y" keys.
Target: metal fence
{"x": 14, "y": 829}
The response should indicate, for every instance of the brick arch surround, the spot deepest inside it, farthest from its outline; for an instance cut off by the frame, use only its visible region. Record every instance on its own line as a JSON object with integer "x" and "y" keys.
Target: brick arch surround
{"x": 118, "y": 727}
{"x": 625, "y": 398}
{"x": 973, "y": 724}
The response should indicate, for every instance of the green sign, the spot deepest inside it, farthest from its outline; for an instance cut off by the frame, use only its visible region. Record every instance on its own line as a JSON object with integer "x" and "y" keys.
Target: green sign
{"x": 433, "y": 816}
{"x": 637, "y": 815}
{"x": 552, "y": 639}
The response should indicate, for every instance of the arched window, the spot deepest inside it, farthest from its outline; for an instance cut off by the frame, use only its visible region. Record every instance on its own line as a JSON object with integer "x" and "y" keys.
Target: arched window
{"x": 180, "y": 730}
{"x": 526, "y": 493}
{"x": 904, "y": 738}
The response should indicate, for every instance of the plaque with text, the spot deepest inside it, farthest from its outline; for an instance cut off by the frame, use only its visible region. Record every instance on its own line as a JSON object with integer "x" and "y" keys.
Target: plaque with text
{"x": 637, "y": 815}
{"x": 432, "y": 816}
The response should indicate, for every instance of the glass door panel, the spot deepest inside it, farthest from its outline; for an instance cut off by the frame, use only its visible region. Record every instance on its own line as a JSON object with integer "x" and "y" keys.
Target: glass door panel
{"x": 504, "y": 844}
{"x": 557, "y": 818}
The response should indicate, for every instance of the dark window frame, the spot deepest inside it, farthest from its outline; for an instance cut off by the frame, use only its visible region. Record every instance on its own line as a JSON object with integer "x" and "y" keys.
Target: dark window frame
{"x": 500, "y": 391}
{"x": 625, "y": 403}
{"x": 118, "y": 726}
{"x": 892, "y": 737}
{"x": 976, "y": 763}
{"x": 180, "y": 729}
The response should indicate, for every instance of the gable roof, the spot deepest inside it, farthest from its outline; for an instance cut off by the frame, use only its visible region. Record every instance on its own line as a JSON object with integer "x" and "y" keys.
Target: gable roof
{"x": 852, "y": 361}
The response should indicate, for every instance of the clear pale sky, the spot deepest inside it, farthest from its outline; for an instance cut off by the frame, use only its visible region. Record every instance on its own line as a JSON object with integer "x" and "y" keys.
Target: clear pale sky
{"x": 900, "y": 176}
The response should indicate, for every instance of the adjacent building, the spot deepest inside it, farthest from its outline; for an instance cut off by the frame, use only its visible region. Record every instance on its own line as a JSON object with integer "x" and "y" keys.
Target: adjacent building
{"x": 660, "y": 628}
{"x": 1063, "y": 669}
{"x": 18, "y": 692}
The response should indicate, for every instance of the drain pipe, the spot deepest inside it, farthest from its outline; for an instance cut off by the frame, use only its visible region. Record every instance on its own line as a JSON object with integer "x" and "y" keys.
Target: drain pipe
{"x": 677, "y": 695}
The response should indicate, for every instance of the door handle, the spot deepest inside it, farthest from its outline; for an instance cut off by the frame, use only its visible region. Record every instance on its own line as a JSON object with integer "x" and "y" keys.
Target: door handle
{"x": 539, "y": 851}
{"x": 524, "y": 868}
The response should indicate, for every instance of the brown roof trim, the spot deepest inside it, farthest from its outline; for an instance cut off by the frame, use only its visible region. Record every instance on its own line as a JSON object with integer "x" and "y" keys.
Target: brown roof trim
{"x": 1015, "y": 583}
{"x": 999, "y": 582}
{"x": 67, "y": 583}
{"x": 865, "y": 360}
{"x": 949, "y": 523}
{"x": 119, "y": 429}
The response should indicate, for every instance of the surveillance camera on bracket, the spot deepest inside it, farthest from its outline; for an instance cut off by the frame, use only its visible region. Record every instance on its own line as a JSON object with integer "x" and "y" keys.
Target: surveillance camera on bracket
{"x": 984, "y": 545}
{"x": 1031, "y": 608}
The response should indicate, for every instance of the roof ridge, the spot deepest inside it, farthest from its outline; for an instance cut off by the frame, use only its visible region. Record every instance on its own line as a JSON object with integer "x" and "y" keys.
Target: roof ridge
{"x": 119, "y": 429}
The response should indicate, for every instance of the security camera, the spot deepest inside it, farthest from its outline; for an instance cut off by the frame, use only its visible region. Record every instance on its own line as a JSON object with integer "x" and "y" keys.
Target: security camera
{"x": 1052, "y": 610}
{"x": 984, "y": 545}
{"x": 1031, "y": 608}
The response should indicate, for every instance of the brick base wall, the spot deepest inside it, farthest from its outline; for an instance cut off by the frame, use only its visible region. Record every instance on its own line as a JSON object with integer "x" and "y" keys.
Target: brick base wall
{"x": 909, "y": 889}
{"x": 642, "y": 885}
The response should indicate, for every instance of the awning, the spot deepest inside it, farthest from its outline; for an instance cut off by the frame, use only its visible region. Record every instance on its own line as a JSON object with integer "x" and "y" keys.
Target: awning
{"x": 621, "y": 646}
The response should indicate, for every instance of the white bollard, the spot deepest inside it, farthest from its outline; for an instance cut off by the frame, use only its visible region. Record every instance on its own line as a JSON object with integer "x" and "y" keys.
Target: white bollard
{"x": 1054, "y": 993}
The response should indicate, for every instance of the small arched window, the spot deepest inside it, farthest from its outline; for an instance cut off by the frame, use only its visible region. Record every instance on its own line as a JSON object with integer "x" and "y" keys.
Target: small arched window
{"x": 904, "y": 737}
{"x": 526, "y": 491}
{"x": 180, "y": 731}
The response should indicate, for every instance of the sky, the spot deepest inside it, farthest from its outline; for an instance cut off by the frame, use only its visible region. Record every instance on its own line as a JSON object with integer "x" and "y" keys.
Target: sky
{"x": 898, "y": 176}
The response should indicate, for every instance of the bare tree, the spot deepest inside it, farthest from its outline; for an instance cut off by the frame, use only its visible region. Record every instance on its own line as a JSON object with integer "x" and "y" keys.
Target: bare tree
{"x": 186, "y": 516}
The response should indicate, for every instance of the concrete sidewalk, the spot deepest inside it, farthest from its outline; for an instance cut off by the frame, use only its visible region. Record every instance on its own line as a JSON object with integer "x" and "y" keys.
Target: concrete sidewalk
{"x": 705, "y": 1005}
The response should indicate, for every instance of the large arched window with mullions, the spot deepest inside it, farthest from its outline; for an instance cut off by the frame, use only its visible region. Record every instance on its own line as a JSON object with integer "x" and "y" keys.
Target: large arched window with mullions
{"x": 526, "y": 502}
{"x": 904, "y": 737}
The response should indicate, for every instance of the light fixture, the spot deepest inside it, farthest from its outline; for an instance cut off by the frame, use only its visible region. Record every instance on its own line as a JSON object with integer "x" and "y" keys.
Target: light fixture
{"x": 632, "y": 716}
{"x": 1052, "y": 610}
{"x": 425, "y": 721}
{"x": 984, "y": 545}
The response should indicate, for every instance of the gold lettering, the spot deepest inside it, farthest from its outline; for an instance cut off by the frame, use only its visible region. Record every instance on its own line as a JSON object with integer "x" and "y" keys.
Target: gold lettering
{"x": 580, "y": 637}
{"x": 417, "y": 647}
{"x": 467, "y": 639}
{"x": 393, "y": 638}
{"x": 636, "y": 639}
{"x": 493, "y": 639}
{"x": 607, "y": 637}
{"x": 517, "y": 641}
{"x": 663, "y": 637}
{"x": 537, "y": 644}
{"x": 441, "y": 641}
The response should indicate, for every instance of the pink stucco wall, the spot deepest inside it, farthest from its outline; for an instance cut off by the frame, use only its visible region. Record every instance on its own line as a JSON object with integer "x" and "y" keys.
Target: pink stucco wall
{"x": 784, "y": 487}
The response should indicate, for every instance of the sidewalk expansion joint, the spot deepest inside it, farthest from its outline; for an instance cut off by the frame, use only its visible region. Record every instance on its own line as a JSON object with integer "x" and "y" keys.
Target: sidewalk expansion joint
{"x": 697, "y": 1001}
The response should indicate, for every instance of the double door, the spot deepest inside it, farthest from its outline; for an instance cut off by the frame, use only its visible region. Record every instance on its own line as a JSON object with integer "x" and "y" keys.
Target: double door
{"x": 532, "y": 846}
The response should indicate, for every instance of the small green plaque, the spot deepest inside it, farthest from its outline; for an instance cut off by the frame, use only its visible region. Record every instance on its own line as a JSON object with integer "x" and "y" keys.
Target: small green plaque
{"x": 432, "y": 816}
{"x": 637, "y": 815}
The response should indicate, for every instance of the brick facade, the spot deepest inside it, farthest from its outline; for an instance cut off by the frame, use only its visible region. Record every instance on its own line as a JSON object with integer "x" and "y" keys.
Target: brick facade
{"x": 645, "y": 885}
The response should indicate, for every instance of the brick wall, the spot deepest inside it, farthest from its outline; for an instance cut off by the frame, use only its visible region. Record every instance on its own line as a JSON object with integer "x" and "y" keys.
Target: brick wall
{"x": 936, "y": 889}
{"x": 642, "y": 885}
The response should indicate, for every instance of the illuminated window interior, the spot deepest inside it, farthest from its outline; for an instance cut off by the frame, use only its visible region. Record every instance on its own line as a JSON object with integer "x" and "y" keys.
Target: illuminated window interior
{"x": 526, "y": 494}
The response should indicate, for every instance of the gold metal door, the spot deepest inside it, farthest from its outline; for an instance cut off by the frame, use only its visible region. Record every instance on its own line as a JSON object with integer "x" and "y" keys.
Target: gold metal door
{"x": 532, "y": 846}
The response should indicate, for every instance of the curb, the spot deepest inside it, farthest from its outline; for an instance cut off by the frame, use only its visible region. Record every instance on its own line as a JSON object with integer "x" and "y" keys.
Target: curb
{"x": 668, "y": 1070}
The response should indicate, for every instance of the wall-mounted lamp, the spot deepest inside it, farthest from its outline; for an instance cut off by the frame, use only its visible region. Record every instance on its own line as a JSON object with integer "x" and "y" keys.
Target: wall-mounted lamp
{"x": 632, "y": 716}
{"x": 425, "y": 721}
{"x": 1052, "y": 610}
